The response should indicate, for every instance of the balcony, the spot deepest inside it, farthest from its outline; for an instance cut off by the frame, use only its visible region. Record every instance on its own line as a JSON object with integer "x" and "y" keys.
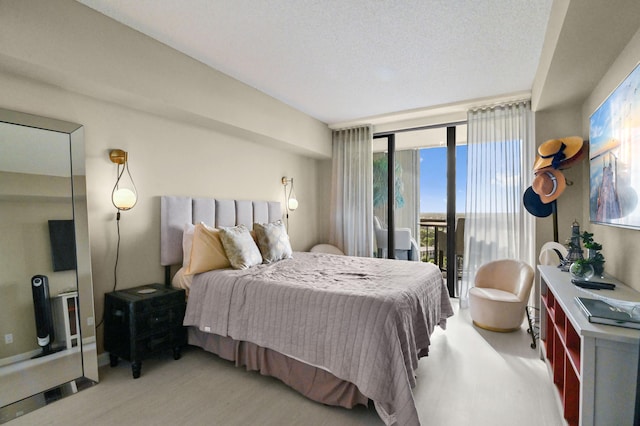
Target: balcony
{"x": 433, "y": 245}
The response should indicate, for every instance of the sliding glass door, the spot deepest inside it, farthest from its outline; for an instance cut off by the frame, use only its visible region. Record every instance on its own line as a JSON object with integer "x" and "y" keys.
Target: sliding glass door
{"x": 402, "y": 214}
{"x": 427, "y": 184}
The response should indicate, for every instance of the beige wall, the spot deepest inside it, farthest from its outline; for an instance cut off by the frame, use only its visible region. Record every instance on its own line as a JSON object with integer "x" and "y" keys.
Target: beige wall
{"x": 75, "y": 47}
{"x": 620, "y": 246}
{"x": 188, "y": 130}
{"x": 552, "y": 124}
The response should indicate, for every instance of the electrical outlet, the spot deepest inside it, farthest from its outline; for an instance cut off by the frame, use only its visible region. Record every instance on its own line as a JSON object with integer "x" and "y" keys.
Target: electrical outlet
{"x": 8, "y": 338}
{"x": 90, "y": 321}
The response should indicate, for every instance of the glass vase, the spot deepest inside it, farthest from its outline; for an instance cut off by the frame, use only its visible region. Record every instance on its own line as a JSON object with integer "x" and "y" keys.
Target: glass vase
{"x": 581, "y": 270}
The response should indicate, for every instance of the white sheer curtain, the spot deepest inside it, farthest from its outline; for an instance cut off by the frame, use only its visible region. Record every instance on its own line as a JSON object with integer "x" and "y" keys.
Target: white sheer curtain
{"x": 408, "y": 216}
{"x": 351, "y": 226}
{"x": 501, "y": 150}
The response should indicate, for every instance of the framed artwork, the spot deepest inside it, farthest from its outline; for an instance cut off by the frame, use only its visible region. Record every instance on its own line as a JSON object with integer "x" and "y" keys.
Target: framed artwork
{"x": 614, "y": 154}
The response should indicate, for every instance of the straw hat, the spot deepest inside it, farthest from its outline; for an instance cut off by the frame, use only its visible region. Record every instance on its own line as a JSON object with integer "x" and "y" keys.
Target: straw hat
{"x": 557, "y": 152}
{"x": 549, "y": 184}
{"x": 582, "y": 153}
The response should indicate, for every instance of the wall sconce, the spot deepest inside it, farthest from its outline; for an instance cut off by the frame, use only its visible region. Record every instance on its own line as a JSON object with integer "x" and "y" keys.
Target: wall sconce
{"x": 291, "y": 201}
{"x": 124, "y": 195}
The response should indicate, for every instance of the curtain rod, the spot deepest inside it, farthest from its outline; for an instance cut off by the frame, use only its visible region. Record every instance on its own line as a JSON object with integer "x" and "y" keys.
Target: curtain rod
{"x": 500, "y": 105}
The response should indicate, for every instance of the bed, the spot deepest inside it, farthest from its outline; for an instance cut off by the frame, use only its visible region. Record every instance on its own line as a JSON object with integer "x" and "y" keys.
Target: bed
{"x": 340, "y": 330}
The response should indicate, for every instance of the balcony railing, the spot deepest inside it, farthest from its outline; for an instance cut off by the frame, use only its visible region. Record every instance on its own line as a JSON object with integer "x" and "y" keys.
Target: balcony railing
{"x": 432, "y": 233}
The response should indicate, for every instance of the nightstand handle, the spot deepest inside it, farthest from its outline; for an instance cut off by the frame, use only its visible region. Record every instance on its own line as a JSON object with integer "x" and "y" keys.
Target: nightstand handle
{"x": 159, "y": 319}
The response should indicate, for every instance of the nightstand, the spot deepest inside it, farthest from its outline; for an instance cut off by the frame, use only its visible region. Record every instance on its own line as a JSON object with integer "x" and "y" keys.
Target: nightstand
{"x": 142, "y": 321}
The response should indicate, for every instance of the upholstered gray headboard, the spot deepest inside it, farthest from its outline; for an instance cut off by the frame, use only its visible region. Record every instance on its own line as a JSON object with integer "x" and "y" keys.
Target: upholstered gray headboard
{"x": 175, "y": 212}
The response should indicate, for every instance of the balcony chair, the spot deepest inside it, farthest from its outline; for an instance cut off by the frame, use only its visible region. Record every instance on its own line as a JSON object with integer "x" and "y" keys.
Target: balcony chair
{"x": 459, "y": 245}
{"x": 406, "y": 246}
{"x": 442, "y": 246}
{"x": 459, "y": 252}
{"x": 498, "y": 301}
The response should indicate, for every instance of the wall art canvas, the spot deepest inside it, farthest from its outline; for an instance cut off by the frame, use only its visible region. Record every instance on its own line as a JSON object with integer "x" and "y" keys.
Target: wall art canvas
{"x": 614, "y": 153}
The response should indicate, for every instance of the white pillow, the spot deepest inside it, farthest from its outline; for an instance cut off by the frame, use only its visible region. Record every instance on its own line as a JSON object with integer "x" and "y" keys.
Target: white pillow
{"x": 240, "y": 247}
{"x": 273, "y": 241}
{"x": 187, "y": 243}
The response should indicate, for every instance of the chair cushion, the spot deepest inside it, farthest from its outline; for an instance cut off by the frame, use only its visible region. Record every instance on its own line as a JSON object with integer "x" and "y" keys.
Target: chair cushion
{"x": 494, "y": 294}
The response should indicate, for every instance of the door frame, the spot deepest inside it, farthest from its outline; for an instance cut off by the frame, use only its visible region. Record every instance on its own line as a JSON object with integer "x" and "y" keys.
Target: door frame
{"x": 451, "y": 194}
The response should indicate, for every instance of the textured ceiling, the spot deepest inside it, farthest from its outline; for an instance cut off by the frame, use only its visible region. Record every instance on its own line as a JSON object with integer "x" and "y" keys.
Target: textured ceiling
{"x": 342, "y": 60}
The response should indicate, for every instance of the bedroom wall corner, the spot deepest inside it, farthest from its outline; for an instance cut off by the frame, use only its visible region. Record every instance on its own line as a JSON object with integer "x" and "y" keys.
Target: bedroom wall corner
{"x": 323, "y": 185}
{"x": 552, "y": 124}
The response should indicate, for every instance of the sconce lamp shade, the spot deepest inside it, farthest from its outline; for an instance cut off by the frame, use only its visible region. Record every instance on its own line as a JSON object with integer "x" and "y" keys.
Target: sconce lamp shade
{"x": 290, "y": 198}
{"x": 292, "y": 203}
{"x": 124, "y": 198}
{"x": 124, "y": 195}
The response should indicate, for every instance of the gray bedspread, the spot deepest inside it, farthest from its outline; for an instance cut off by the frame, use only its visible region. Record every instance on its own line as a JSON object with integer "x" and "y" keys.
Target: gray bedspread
{"x": 367, "y": 321}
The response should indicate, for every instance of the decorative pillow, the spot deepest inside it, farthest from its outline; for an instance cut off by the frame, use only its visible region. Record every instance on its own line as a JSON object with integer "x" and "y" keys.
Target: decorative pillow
{"x": 207, "y": 252}
{"x": 187, "y": 243}
{"x": 273, "y": 241}
{"x": 181, "y": 280}
{"x": 241, "y": 250}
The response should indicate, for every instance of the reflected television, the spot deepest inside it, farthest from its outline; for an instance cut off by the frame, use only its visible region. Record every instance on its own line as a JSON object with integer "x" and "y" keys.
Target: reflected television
{"x": 63, "y": 245}
{"x": 614, "y": 156}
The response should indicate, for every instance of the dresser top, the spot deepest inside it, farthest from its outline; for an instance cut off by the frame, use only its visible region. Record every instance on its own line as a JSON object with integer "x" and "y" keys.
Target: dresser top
{"x": 565, "y": 293}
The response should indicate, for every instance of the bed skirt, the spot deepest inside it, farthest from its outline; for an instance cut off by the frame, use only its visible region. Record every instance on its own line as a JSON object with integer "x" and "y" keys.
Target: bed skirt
{"x": 314, "y": 383}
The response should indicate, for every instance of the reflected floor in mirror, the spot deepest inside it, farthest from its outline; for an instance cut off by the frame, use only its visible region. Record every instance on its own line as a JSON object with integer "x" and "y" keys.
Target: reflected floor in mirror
{"x": 26, "y": 378}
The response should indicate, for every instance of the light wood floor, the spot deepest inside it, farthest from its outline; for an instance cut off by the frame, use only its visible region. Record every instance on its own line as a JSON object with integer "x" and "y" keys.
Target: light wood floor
{"x": 471, "y": 377}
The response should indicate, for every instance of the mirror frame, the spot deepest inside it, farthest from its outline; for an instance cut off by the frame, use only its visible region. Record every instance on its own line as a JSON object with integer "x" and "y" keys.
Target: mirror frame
{"x": 87, "y": 339}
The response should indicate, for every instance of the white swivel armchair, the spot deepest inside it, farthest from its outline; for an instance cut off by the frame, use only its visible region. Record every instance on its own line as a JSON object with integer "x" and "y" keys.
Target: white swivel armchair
{"x": 499, "y": 298}
{"x": 406, "y": 247}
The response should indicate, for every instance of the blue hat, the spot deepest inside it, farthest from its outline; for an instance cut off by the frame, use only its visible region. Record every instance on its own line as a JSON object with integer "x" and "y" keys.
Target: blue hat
{"x": 534, "y": 204}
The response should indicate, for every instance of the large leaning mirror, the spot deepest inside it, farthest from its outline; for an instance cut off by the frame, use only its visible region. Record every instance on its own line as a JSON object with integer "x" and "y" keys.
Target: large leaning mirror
{"x": 47, "y": 332}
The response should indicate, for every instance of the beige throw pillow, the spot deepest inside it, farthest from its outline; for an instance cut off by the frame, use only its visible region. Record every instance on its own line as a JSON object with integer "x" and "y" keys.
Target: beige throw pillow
{"x": 273, "y": 241}
{"x": 241, "y": 250}
{"x": 207, "y": 252}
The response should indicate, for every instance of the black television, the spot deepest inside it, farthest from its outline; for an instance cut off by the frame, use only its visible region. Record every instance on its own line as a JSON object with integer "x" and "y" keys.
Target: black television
{"x": 63, "y": 245}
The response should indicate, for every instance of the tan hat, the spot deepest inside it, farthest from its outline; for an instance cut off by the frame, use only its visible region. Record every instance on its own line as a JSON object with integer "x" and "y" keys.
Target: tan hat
{"x": 582, "y": 154}
{"x": 555, "y": 152}
{"x": 549, "y": 184}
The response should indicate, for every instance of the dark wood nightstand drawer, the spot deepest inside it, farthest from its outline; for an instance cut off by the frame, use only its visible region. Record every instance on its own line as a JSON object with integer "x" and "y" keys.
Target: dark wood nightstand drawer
{"x": 163, "y": 318}
{"x": 153, "y": 343}
{"x": 143, "y": 320}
